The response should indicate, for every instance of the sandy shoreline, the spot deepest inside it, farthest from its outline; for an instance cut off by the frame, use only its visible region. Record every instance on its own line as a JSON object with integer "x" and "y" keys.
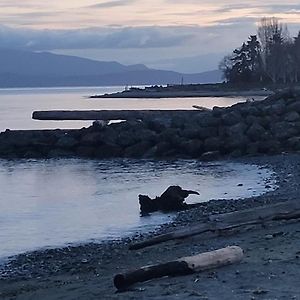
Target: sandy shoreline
{"x": 269, "y": 270}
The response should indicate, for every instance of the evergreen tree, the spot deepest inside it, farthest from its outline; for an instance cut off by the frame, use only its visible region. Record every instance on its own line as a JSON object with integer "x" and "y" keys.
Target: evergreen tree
{"x": 274, "y": 57}
{"x": 245, "y": 63}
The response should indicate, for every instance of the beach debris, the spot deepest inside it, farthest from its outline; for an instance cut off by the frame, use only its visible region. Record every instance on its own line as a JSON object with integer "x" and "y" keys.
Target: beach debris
{"x": 201, "y": 108}
{"x": 172, "y": 199}
{"x": 181, "y": 266}
{"x": 219, "y": 222}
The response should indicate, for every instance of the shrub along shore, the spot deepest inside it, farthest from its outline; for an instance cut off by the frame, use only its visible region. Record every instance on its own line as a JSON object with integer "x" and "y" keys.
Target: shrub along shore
{"x": 264, "y": 127}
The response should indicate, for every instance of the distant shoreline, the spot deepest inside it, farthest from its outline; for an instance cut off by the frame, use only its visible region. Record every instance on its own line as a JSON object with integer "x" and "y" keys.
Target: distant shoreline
{"x": 185, "y": 91}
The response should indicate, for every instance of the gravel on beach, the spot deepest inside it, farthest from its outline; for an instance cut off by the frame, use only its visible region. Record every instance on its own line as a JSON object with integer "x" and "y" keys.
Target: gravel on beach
{"x": 270, "y": 269}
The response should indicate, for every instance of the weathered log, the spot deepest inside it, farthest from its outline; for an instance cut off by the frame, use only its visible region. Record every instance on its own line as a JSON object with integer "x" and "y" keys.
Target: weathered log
{"x": 280, "y": 211}
{"x": 182, "y": 266}
{"x": 106, "y": 115}
{"x": 172, "y": 199}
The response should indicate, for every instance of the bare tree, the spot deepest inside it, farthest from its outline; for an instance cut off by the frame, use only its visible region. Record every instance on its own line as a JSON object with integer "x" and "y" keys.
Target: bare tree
{"x": 273, "y": 37}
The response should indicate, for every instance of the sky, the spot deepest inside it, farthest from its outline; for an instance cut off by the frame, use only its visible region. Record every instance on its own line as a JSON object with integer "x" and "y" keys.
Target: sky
{"x": 182, "y": 35}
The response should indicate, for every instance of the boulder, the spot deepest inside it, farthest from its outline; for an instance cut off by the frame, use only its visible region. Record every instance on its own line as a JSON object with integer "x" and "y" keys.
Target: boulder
{"x": 212, "y": 144}
{"x": 210, "y": 155}
{"x": 138, "y": 150}
{"x": 58, "y": 152}
{"x": 217, "y": 111}
{"x": 233, "y": 143}
{"x": 279, "y": 108}
{"x": 108, "y": 151}
{"x": 237, "y": 130}
{"x": 256, "y": 132}
{"x": 126, "y": 138}
{"x": 294, "y": 143}
{"x": 193, "y": 148}
{"x": 207, "y": 132}
{"x": 292, "y": 116}
{"x": 295, "y": 106}
{"x": 66, "y": 142}
{"x": 254, "y": 110}
{"x": 92, "y": 139}
{"x": 85, "y": 151}
{"x": 284, "y": 130}
{"x": 231, "y": 118}
{"x": 269, "y": 147}
{"x": 207, "y": 119}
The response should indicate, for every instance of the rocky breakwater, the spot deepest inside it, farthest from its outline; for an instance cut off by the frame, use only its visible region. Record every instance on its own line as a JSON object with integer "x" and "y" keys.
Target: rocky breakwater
{"x": 265, "y": 127}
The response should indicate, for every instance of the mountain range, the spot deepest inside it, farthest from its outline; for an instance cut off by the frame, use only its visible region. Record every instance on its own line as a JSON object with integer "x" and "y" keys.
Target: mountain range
{"x": 20, "y": 68}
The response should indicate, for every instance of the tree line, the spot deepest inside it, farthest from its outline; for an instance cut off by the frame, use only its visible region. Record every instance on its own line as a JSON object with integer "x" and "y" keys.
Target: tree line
{"x": 271, "y": 56}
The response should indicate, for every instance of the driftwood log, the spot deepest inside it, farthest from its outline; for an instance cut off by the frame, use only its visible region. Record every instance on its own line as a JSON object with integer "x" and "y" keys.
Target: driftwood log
{"x": 172, "y": 199}
{"x": 106, "y": 115}
{"x": 182, "y": 266}
{"x": 281, "y": 211}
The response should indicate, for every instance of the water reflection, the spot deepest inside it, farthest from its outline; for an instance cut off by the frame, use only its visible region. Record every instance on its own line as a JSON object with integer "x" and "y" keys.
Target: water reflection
{"x": 54, "y": 202}
{"x": 17, "y": 105}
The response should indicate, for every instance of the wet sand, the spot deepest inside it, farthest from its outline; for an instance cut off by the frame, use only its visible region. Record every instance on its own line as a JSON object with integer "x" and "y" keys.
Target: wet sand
{"x": 270, "y": 269}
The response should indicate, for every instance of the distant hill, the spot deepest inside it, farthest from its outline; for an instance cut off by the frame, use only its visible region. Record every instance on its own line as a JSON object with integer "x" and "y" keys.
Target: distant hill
{"x": 29, "y": 69}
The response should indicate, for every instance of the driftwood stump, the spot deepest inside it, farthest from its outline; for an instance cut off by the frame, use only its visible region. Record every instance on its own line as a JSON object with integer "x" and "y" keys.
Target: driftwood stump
{"x": 172, "y": 199}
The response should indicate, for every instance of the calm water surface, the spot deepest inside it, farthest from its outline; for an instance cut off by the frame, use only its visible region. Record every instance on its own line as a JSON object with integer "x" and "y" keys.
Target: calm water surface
{"x": 49, "y": 203}
{"x": 17, "y": 105}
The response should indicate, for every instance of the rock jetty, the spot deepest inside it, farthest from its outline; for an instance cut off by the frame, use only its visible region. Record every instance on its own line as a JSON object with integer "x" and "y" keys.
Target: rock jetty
{"x": 264, "y": 127}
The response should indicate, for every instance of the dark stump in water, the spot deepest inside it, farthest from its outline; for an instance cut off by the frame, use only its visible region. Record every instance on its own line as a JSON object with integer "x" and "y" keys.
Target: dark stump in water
{"x": 172, "y": 199}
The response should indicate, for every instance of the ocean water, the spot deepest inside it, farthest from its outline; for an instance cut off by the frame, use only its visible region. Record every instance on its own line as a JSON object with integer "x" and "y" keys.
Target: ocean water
{"x": 17, "y": 105}
{"x": 55, "y": 202}
{"x": 51, "y": 203}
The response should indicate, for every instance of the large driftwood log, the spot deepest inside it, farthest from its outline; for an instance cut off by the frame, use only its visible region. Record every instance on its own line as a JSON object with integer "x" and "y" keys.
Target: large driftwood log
{"x": 182, "y": 266}
{"x": 106, "y": 115}
{"x": 172, "y": 199}
{"x": 281, "y": 211}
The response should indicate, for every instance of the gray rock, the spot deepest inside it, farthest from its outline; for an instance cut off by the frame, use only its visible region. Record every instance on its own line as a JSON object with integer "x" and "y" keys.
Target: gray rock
{"x": 294, "y": 142}
{"x": 255, "y": 132}
{"x": 231, "y": 118}
{"x": 237, "y": 130}
{"x": 67, "y": 142}
{"x": 233, "y": 143}
{"x": 108, "y": 151}
{"x": 252, "y": 148}
{"x": 217, "y": 111}
{"x": 270, "y": 146}
{"x": 53, "y": 153}
{"x": 207, "y": 132}
{"x": 295, "y": 106}
{"x": 126, "y": 138}
{"x": 92, "y": 139}
{"x": 279, "y": 108}
{"x": 146, "y": 135}
{"x": 161, "y": 149}
{"x": 212, "y": 144}
{"x": 283, "y": 130}
{"x": 189, "y": 133}
{"x": 254, "y": 110}
{"x": 137, "y": 150}
{"x": 193, "y": 148}
{"x": 250, "y": 119}
{"x": 85, "y": 151}
{"x": 236, "y": 153}
{"x": 207, "y": 120}
{"x": 210, "y": 155}
{"x": 292, "y": 116}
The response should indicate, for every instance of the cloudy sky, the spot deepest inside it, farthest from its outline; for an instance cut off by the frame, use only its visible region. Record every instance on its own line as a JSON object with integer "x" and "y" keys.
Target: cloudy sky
{"x": 184, "y": 35}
